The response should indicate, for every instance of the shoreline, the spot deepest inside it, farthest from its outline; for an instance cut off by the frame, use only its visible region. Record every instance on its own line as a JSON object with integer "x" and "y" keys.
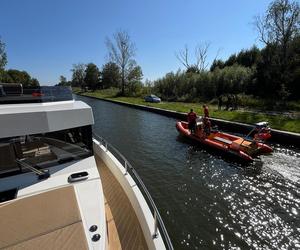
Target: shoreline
{"x": 280, "y": 136}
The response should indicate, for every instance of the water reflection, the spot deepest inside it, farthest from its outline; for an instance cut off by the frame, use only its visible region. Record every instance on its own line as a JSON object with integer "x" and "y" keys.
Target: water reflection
{"x": 252, "y": 207}
{"x": 208, "y": 201}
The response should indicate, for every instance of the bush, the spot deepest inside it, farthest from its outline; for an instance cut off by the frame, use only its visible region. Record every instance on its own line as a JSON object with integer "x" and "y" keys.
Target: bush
{"x": 189, "y": 87}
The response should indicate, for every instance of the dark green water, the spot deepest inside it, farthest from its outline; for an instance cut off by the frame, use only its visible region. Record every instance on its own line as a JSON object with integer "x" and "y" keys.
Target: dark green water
{"x": 206, "y": 200}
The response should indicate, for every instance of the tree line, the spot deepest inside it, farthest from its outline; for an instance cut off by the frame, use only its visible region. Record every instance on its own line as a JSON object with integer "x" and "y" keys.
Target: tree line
{"x": 14, "y": 75}
{"x": 272, "y": 72}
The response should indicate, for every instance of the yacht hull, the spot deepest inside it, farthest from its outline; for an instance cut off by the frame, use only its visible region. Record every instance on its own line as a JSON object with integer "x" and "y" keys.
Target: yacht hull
{"x": 133, "y": 194}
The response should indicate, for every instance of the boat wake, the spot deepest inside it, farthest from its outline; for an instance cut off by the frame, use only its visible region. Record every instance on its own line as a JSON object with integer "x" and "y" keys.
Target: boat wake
{"x": 285, "y": 162}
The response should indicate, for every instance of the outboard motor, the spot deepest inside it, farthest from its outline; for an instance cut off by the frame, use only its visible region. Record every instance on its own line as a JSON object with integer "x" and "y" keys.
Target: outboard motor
{"x": 262, "y": 131}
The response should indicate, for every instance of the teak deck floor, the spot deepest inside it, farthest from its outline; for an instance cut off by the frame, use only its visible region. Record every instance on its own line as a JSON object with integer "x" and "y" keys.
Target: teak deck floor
{"x": 49, "y": 220}
{"x": 123, "y": 228}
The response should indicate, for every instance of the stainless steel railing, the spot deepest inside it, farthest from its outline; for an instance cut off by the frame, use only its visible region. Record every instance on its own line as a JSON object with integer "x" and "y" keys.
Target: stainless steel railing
{"x": 158, "y": 222}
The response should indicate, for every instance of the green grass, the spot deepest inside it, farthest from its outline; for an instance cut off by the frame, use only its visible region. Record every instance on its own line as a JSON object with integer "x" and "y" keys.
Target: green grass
{"x": 280, "y": 122}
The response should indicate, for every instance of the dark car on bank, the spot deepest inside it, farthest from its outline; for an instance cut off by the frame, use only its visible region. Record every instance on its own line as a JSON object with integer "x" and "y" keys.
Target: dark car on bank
{"x": 152, "y": 98}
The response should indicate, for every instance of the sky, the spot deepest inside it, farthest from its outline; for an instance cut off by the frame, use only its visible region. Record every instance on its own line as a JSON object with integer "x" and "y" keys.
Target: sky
{"x": 46, "y": 38}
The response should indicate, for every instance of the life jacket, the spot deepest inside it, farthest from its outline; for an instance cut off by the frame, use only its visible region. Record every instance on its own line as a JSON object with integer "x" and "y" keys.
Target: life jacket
{"x": 206, "y": 113}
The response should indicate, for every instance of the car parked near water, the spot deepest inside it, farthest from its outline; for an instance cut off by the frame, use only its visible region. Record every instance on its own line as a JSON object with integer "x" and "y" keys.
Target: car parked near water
{"x": 152, "y": 98}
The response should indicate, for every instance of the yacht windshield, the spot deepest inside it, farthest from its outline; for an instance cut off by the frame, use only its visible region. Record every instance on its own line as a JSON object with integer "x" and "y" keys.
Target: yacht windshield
{"x": 16, "y": 93}
{"x": 44, "y": 150}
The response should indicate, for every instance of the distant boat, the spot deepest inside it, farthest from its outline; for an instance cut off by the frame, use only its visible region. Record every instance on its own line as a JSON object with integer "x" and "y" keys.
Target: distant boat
{"x": 241, "y": 147}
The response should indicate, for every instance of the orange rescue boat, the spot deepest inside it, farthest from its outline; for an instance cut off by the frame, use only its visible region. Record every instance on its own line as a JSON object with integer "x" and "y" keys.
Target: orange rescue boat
{"x": 244, "y": 148}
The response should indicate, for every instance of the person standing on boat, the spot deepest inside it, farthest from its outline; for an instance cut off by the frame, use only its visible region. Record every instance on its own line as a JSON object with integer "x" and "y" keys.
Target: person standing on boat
{"x": 220, "y": 102}
{"x": 191, "y": 118}
{"x": 206, "y": 126}
{"x": 205, "y": 111}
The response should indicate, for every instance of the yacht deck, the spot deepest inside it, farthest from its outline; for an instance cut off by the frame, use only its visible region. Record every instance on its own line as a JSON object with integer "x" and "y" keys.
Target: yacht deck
{"x": 49, "y": 220}
{"x": 52, "y": 220}
{"x": 123, "y": 228}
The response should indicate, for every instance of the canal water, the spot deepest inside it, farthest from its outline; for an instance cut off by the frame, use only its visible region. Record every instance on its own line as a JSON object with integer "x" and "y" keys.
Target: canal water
{"x": 207, "y": 201}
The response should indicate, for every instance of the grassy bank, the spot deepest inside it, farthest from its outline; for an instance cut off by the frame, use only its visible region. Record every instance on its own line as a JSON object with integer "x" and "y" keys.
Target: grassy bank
{"x": 281, "y": 122}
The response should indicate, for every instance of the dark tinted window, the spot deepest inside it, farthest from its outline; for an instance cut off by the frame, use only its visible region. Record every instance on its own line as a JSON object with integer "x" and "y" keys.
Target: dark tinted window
{"x": 45, "y": 150}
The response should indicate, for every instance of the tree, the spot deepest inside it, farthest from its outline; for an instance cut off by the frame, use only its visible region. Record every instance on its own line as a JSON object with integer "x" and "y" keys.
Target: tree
{"x": 63, "y": 81}
{"x": 217, "y": 64}
{"x": 17, "y": 76}
{"x": 134, "y": 77}
{"x": 183, "y": 57}
{"x": 3, "y": 56}
{"x": 280, "y": 24}
{"x": 230, "y": 61}
{"x": 34, "y": 82}
{"x": 135, "y": 74}
{"x": 200, "y": 54}
{"x": 92, "y": 76}
{"x": 249, "y": 57}
{"x": 122, "y": 51}
{"x": 78, "y": 75}
{"x": 14, "y": 75}
{"x": 3, "y": 61}
{"x": 277, "y": 29}
{"x": 293, "y": 85}
{"x": 111, "y": 75}
{"x": 5, "y": 77}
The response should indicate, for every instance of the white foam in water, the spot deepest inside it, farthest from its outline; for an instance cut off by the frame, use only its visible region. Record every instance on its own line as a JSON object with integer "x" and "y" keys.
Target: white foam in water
{"x": 286, "y": 165}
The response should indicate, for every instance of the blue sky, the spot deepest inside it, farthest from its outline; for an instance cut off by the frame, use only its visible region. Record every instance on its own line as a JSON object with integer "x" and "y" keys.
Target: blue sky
{"x": 46, "y": 37}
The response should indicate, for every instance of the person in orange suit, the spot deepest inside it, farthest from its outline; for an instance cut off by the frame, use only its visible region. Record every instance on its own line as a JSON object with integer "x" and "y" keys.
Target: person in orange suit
{"x": 191, "y": 118}
{"x": 205, "y": 111}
